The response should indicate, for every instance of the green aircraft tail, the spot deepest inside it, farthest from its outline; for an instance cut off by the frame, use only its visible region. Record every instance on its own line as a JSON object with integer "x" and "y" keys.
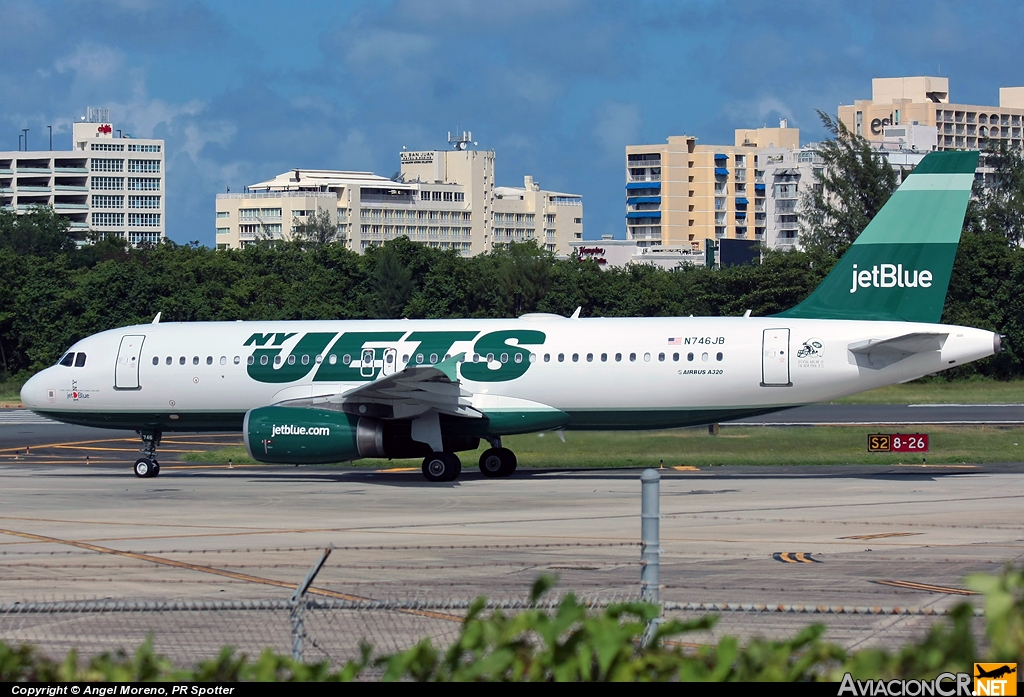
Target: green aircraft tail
{"x": 899, "y": 266}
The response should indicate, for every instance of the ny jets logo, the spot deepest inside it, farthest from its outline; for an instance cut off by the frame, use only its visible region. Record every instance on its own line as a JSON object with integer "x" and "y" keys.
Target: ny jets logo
{"x": 810, "y": 348}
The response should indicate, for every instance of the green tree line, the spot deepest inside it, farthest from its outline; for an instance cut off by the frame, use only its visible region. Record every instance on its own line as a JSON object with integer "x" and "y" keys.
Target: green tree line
{"x": 53, "y": 293}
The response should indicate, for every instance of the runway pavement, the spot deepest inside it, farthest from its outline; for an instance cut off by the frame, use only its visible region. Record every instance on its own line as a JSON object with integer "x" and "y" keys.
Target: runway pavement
{"x": 75, "y": 523}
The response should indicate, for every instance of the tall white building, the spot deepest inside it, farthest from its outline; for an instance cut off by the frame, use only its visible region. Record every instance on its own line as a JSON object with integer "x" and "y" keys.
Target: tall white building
{"x": 108, "y": 184}
{"x": 442, "y": 198}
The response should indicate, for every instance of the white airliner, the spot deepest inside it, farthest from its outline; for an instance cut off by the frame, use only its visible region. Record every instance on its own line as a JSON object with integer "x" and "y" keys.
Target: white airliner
{"x": 335, "y": 391}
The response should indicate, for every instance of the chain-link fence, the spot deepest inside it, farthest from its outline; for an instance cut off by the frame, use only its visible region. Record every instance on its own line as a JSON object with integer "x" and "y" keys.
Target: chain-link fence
{"x": 188, "y": 632}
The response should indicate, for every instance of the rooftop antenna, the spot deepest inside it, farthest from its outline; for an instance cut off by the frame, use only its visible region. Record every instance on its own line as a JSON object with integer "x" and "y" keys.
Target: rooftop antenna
{"x": 462, "y": 140}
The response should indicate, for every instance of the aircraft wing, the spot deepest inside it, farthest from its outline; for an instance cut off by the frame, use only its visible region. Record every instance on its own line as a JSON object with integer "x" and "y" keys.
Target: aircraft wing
{"x": 879, "y": 353}
{"x": 403, "y": 395}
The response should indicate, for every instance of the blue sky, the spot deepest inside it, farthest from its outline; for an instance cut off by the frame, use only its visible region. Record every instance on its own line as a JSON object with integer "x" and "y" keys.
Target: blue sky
{"x": 244, "y": 91}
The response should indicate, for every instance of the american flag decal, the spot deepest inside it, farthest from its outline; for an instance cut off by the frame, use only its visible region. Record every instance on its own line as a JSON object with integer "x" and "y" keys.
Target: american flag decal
{"x": 675, "y": 340}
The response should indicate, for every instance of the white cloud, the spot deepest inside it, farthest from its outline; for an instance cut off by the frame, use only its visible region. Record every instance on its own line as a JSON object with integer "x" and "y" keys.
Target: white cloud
{"x": 616, "y": 125}
{"x": 92, "y": 62}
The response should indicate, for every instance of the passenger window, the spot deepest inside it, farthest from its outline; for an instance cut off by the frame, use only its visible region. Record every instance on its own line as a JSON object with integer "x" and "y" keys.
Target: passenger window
{"x": 332, "y": 359}
{"x": 718, "y": 357}
{"x": 533, "y": 358}
{"x": 237, "y": 360}
{"x": 590, "y": 358}
{"x": 661, "y": 356}
{"x": 405, "y": 358}
{"x": 277, "y": 359}
{"x": 169, "y": 360}
{"x": 504, "y": 358}
{"x": 181, "y": 360}
{"x": 490, "y": 357}
{"x": 547, "y": 357}
{"x": 704, "y": 357}
{"x": 264, "y": 360}
{"x": 291, "y": 359}
{"x": 305, "y": 359}
{"x": 604, "y": 357}
{"x": 647, "y": 358}
{"x": 575, "y": 358}
{"x": 689, "y": 356}
{"x": 195, "y": 360}
{"x": 675, "y": 356}
{"x": 519, "y": 358}
{"x": 632, "y": 356}
{"x": 251, "y": 360}
{"x": 433, "y": 359}
{"x": 346, "y": 359}
{"x": 156, "y": 360}
{"x": 419, "y": 358}
{"x": 561, "y": 357}
{"x": 476, "y": 357}
{"x": 319, "y": 359}
{"x": 67, "y": 360}
{"x": 618, "y": 357}
{"x": 224, "y": 360}
{"x": 209, "y": 360}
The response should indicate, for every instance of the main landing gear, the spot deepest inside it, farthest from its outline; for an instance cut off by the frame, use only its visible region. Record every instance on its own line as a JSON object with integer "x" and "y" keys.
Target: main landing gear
{"x": 495, "y": 462}
{"x": 442, "y": 467}
{"x": 147, "y": 466}
{"x": 498, "y": 462}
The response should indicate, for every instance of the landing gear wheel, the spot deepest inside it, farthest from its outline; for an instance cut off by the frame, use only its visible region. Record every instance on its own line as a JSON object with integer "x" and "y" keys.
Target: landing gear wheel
{"x": 144, "y": 468}
{"x": 156, "y": 469}
{"x": 441, "y": 467}
{"x": 498, "y": 462}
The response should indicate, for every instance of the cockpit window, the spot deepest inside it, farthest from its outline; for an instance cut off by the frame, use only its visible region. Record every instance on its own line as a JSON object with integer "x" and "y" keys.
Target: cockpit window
{"x": 80, "y": 360}
{"x": 67, "y": 359}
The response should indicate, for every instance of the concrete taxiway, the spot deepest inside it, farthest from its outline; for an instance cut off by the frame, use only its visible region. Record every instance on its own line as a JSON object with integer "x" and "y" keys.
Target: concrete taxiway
{"x": 876, "y": 536}
{"x": 75, "y": 523}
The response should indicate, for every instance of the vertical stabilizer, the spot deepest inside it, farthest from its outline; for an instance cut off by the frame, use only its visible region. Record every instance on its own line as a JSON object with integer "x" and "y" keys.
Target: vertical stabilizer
{"x": 899, "y": 266}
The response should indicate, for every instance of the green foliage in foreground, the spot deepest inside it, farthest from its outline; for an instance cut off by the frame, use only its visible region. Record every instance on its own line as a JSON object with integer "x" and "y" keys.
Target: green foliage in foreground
{"x": 572, "y": 644}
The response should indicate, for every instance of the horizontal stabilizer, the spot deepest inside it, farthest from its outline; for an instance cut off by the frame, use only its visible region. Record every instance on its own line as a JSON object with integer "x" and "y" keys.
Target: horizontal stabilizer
{"x": 879, "y": 353}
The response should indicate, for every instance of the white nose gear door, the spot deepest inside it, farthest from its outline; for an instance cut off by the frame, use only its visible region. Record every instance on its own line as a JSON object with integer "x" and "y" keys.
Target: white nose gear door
{"x": 126, "y": 371}
{"x": 775, "y": 358}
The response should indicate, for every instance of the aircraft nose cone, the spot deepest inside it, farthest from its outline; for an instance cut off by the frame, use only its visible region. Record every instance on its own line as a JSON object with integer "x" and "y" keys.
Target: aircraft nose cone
{"x": 33, "y": 393}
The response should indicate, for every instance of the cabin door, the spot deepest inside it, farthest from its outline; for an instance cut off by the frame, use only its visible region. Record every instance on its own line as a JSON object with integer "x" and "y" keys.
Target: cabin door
{"x": 775, "y": 358}
{"x": 126, "y": 371}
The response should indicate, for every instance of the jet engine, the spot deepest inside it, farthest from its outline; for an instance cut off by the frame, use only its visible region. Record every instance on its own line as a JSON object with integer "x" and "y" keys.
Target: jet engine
{"x": 306, "y": 435}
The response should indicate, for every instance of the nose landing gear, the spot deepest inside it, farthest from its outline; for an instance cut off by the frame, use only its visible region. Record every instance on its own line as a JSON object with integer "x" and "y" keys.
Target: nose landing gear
{"x": 147, "y": 466}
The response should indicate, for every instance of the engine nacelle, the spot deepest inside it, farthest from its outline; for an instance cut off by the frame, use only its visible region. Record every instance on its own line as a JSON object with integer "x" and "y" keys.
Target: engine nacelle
{"x": 305, "y": 435}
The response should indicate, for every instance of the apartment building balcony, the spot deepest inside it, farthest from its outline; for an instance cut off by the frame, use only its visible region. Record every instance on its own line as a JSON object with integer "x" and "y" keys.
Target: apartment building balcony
{"x": 68, "y": 187}
{"x": 644, "y": 177}
{"x": 34, "y": 189}
{"x": 70, "y": 170}
{"x": 6, "y": 170}
{"x": 34, "y": 170}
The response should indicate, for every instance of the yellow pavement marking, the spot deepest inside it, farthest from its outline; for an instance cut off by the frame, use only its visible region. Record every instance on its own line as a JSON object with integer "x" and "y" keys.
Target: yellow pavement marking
{"x": 685, "y": 468}
{"x": 927, "y": 587}
{"x": 211, "y": 570}
{"x": 398, "y": 469}
{"x": 879, "y": 535}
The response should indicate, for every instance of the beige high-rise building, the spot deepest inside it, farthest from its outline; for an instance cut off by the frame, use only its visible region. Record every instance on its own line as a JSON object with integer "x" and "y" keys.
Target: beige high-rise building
{"x": 108, "y": 183}
{"x": 925, "y": 101}
{"x": 679, "y": 194}
{"x": 442, "y": 198}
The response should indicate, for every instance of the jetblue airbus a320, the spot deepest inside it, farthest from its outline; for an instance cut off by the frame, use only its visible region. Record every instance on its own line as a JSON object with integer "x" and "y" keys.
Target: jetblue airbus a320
{"x": 334, "y": 391}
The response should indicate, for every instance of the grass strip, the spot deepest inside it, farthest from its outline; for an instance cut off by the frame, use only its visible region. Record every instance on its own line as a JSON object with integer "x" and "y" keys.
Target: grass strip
{"x": 735, "y": 445}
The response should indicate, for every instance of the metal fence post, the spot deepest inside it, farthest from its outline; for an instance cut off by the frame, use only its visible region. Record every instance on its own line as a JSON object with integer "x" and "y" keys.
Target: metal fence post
{"x": 298, "y": 602}
{"x": 650, "y": 544}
